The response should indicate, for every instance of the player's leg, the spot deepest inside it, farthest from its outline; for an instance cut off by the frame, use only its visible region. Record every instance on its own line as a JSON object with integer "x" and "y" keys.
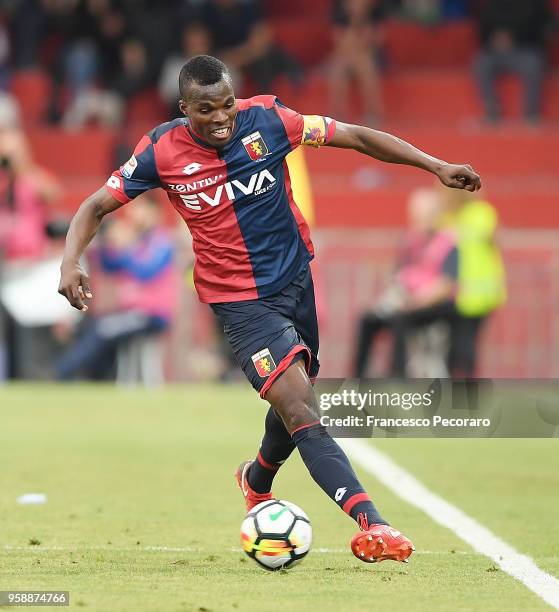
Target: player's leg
{"x": 274, "y": 450}
{"x": 294, "y": 399}
{"x": 487, "y": 68}
{"x": 325, "y": 460}
{"x": 262, "y": 339}
{"x": 297, "y": 406}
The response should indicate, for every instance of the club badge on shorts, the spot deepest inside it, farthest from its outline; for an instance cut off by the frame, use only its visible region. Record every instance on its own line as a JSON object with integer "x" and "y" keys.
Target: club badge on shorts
{"x": 255, "y": 146}
{"x": 264, "y": 363}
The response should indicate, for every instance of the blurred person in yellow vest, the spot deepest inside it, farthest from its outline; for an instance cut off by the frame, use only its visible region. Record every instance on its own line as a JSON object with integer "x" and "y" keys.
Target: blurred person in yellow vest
{"x": 301, "y": 186}
{"x": 481, "y": 273}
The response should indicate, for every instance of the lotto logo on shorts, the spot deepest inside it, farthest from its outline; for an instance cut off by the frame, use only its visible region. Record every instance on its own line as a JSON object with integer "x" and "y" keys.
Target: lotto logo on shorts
{"x": 264, "y": 363}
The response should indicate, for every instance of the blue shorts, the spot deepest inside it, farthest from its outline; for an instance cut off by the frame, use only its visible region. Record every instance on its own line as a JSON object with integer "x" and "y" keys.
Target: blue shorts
{"x": 267, "y": 334}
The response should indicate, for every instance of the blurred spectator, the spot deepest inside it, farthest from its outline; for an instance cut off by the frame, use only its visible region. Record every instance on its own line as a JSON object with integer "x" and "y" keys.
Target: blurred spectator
{"x": 195, "y": 40}
{"x": 243, "y": 40}
{"x": 108, "y": 105}
{"x": 481, "y": 275}
{"x": 4, "y": 53}
{"x": 357, "y": 44}
{"x": 455, "y": 9}
{"x": 423, "y": 288}
{"x": 25, "y": 189}
{"x": 426, "y": 12}
{"x": 9, "y": 112}
{"x": 513, "y": 35}
{"x": 28, "y": 23}
{"x": 140, "y": 256}
{"x": 134, "y": 75}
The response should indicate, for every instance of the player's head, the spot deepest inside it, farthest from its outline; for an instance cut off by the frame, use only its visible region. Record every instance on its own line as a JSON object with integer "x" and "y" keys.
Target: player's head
{"x": 207, "y": 99}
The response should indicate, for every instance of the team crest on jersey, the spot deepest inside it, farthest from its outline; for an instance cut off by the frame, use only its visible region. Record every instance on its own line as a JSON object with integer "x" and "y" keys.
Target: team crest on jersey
{"x": 264, "y": 363}
{"x": 128, "y": 169}
{"x": 255, "y": 146}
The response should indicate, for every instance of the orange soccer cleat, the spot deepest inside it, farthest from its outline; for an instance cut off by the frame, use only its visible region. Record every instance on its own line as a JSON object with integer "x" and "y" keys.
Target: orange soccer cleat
{"x": 381, "y": 543}
{"x": 252, "y": 498}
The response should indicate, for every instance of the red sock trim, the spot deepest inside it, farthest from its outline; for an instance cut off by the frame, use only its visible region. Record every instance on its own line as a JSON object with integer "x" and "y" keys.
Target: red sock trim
{"x": 284, "y": 364}
{"x": 269, "y": 466}
{"x": 353, "y": 500}
{"x": 304, "y": 427}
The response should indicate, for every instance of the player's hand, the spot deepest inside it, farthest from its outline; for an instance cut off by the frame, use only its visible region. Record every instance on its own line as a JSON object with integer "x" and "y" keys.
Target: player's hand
{"x": 74, "y": 285}
{"x": 459, "y": 177}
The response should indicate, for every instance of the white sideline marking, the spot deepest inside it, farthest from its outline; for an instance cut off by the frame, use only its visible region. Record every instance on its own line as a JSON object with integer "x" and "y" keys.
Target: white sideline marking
{"x": 481, "y": 539}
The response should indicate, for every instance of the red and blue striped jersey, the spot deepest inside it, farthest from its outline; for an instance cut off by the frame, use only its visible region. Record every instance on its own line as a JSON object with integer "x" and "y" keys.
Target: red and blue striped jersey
{"x": 249, "y": 238}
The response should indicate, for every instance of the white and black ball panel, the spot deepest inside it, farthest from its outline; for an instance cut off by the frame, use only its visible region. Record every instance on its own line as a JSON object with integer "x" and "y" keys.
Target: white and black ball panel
{"x": 261, "y": 506}
{"x": 275, "y": 519}
{"x": 296, "y": 510}
{"x": 301, "y": 537}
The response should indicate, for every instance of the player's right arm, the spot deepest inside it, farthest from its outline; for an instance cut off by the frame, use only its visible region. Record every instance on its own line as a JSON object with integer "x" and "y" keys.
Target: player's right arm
{"x": 137, "y": 175}
{"x": 74, "y": 282}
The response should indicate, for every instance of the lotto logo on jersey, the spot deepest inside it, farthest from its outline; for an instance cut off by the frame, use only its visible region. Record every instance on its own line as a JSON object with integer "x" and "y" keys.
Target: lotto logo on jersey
{"x": 255, "y": 146}
{"x": 264, "y": 363}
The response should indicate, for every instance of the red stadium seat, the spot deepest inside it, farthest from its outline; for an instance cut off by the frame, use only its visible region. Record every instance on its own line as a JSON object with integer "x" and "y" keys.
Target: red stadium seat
{"x": 290, "y": 8}
{"x": 412, "y": 45}
{"x": 307, "y": 38}
{"x": 146, "y": 108}
{"x": 32, "y": 89}
{"x": 74, "y": 154}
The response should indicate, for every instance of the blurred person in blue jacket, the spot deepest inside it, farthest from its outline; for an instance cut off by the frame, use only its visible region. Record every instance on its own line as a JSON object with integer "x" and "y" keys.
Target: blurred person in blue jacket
{"x": 138, "y": 253}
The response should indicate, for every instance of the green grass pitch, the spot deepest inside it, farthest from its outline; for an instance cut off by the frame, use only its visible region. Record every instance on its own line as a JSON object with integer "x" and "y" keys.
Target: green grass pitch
{"x": 143, "y": 512}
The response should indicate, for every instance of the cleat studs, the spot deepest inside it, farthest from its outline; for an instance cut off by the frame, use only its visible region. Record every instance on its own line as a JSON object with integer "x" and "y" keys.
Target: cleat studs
{"x": 380, "y": 541}
{"x": 413, "y": 548}
{"x": 370, "y": 538}
{"x": 361, "y": 554}
{"x": 405, "y": 560}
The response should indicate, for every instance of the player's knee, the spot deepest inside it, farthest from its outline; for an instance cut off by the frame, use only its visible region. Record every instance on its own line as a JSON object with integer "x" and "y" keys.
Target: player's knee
{"x": 297, "y": 413}
{"x": 293, "y": 398}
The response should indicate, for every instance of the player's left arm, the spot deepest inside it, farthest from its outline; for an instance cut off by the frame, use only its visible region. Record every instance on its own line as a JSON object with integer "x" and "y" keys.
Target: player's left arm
{"x": 391, "y": 149}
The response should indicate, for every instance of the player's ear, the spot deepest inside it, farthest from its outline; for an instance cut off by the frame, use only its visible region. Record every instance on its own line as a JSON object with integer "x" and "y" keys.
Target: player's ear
{"x": 182, "y": 107}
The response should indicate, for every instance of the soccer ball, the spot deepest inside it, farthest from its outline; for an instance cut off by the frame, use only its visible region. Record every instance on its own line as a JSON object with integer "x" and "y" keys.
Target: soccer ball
{"x": 276, "y": 534}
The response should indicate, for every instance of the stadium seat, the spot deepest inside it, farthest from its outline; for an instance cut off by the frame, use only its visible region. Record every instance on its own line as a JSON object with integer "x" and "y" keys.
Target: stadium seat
{"x": 88, "y": 152}
{"x": 32, "y": 89}
{"x": 307, "y": 38}
{"x": 146, "y": 108}
{"x": 290, "y": 8}
{"x": 140, "y": 361}
{"x": 410, "y": 45}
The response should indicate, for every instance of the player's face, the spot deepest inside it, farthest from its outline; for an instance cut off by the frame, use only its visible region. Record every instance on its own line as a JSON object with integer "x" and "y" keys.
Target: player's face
{"x": 211, "y": 110}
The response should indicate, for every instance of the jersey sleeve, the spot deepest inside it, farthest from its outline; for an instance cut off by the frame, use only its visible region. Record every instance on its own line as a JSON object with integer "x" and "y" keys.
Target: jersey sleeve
{"x": 311, "y": 130}
{"x": 137, "y": 175}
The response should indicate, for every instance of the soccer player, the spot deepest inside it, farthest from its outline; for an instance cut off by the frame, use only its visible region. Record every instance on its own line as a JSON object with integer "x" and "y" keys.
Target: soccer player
{"x": 223, "y": 168}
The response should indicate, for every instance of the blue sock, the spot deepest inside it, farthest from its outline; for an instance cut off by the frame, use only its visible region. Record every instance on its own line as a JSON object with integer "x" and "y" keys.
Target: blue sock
{"x": 276, "y": 447}
{"x": 331, "y": 470}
